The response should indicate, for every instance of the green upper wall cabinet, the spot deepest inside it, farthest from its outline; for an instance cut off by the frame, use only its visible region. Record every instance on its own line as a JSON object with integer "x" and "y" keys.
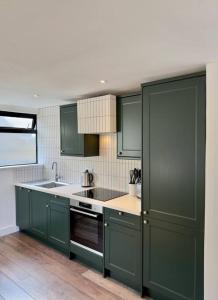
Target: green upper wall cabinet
{"x": 129, "y": 126}
{"x": 22, "y": 208}
{"x": 174, "y": 150}
{"x": 72, "y": 143}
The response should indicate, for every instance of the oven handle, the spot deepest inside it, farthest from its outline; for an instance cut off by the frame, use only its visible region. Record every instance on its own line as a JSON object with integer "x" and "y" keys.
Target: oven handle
{"x": 84, "y": 213}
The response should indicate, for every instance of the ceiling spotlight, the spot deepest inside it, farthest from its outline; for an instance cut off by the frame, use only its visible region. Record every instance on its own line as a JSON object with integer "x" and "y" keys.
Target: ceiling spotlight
{"x": 36, "y": 95}
{"x": 102, "y": 81}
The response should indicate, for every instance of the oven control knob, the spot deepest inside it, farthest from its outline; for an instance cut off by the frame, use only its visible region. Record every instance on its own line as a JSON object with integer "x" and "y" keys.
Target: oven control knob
{"x": 105, "y": 224}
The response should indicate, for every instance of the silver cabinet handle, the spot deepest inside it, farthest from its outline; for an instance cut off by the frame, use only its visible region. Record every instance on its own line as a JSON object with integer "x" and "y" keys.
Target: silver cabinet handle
{"x": 29, "y": 191}
{"x": 55, "y": 196}
{"x": 84, "y": 213}
{"x": 47, "y": 205}
{"x": 145, "y": 212}
{"x": 120, "y": 213}
{"x": 105, "y": 224}
{"x": 146, "y": 222}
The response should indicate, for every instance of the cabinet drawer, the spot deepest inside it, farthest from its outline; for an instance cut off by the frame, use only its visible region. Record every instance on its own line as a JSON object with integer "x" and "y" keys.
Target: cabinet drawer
{"x": 60, "y": 200}
{"x": 122, "y": 218}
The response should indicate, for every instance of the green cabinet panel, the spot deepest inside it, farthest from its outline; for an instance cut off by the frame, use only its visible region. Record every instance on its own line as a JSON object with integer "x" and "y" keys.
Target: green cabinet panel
{"x": 173, "y": 258}
{"x": 58, "y": 222}
{"x": 129, "y": 125}
{"x": 174, "y": 151}
{"x": 173, "y": 187}
{"x": 72, "y": 143}
{"x": 22, "y": 208}
{"x": 38, "y": 213}
{"x": 122, "y": 218}
{"x": 44, "y": 216}
{"x": 123, "y": 253}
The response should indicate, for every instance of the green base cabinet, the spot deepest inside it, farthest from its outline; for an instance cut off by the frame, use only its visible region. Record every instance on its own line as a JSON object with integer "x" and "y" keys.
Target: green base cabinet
{"x": 73, "y": 143}
{"x": 123, "y": 248}
{"x": 38, "y": 213}
{"x": 129, "y": 118}
{"x": 44, "y": 216}
{"x": 22, "y": 208}
{"x": 172, "y": 264}
{"x": 59, "y": 222}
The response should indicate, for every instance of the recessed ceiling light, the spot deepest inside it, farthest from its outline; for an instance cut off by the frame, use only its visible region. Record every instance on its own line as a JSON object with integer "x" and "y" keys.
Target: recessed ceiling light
{"x": 103, "y": 81}
{"x": 36, "y": 95}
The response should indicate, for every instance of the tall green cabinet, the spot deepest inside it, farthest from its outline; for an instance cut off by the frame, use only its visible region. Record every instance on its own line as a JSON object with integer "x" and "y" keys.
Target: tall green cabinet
{"x": 173, "y": 187}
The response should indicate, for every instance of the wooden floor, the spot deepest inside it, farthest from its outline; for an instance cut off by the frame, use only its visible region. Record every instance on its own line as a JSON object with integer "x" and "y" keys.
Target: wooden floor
{"x": 31, "y": 270}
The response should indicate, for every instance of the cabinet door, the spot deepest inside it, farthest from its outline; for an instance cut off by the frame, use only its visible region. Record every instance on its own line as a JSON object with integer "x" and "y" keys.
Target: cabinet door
{"x": 72, "y": 143}
{"x": 129, "y": 126}
{"x": 173, "y": 261}
{"x": 38, "y": 213}
{"x": 123, "y": 254}
{"x": 22, "y": 208}
{"x": 174, "y": 151}
{"x": 58, "y": 222}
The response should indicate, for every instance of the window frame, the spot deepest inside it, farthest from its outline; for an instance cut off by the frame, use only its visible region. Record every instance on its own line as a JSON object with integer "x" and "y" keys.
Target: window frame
{"x": 32, "y": 130}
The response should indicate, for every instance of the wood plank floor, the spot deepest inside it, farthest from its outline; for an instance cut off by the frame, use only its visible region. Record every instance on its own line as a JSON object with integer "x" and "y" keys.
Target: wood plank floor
{"x": 31, "y": 270}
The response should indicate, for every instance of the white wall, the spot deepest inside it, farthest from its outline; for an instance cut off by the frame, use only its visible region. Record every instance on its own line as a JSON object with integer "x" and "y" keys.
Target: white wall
{"x": 8, "y": 177}
{"x": 109, "y": 171}
{"x": 211, "y": 200}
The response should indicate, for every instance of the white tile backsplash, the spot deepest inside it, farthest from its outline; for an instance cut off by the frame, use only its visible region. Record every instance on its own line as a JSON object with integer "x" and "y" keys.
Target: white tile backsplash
{"x": 109, "y": 172}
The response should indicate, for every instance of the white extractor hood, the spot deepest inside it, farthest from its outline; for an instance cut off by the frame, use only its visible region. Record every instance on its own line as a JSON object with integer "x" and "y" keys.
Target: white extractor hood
{"x": 97, "y": 115}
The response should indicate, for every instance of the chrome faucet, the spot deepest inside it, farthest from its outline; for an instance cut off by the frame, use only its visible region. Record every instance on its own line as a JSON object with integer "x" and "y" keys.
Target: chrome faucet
{"x": 55, "y": 164}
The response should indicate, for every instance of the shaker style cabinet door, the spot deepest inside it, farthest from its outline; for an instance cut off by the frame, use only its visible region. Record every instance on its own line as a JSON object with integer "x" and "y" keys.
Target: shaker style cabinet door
{"x": 173, "y": 258}
{"x": 22, "y": 208}
{"x": 123, "y": 254}
{"x": 38, "y": 213}
{"x": 129, "y": 125}
{"x": 58, "y": 222}
{"x": 174, "y": 151}
{"x": 72, "y": 143}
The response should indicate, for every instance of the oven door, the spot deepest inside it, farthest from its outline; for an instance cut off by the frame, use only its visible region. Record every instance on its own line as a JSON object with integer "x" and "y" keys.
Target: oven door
{"x": 86, "y": 229}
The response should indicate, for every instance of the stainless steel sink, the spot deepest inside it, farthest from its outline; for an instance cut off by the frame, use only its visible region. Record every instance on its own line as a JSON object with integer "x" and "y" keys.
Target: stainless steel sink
{"x": 52, "y": 184}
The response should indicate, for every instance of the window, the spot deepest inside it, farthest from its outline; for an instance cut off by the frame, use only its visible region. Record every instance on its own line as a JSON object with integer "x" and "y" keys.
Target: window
{"x": 18, "y": 139}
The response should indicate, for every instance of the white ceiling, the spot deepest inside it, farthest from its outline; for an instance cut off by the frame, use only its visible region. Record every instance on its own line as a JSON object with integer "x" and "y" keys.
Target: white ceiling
{"x": 60, "y": 49}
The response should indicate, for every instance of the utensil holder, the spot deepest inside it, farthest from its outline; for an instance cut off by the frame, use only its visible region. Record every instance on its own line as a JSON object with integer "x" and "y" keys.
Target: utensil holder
{"x": 132, "y": 189}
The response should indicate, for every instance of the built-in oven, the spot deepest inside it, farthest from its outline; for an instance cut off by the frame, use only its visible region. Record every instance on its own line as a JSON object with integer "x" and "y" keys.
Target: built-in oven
{"x": 86, "y": 226}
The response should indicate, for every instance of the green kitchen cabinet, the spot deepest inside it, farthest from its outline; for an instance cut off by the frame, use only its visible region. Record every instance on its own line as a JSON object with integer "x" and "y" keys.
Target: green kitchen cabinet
{"x": 73, "y": 143}
{"x": 58, "y": 222}
{"x": 173, "y": 258}
{"x": 129, "y": 126}
{"x": 174, "y": 150}
{"x": 173, "y": 187}
{"x": 39, "y": 203}
{"x": 44, "y": 216}
{"x": 123, "y": 248}
{"x": 22, "y": 208}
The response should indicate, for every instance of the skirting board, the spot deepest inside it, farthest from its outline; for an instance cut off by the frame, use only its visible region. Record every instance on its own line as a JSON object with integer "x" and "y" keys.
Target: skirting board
{"x": 8, "y": 230}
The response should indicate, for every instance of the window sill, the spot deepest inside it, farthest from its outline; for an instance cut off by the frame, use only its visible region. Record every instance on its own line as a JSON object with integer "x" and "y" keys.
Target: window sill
{"x": 20, "y": 166}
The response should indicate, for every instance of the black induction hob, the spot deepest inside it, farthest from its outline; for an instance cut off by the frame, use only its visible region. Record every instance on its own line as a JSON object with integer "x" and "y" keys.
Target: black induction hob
{"x": 100, "y": 194}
